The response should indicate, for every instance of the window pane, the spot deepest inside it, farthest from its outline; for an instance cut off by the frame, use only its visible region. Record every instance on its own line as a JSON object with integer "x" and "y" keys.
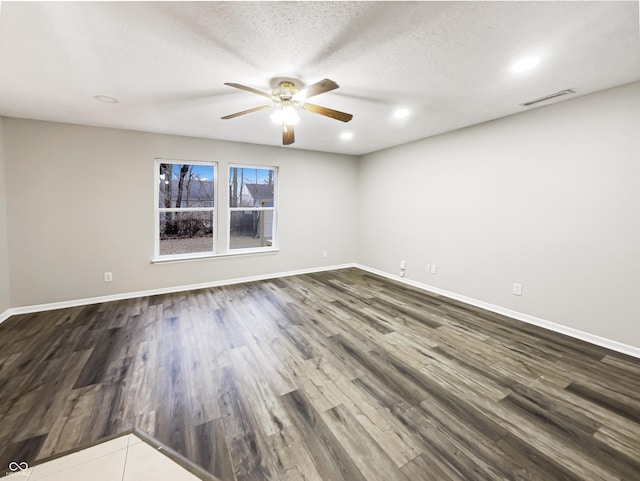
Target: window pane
{"x": 186, "y": 232}
{"x": 251, "y": 187}
{"x": 186, "y": 185}
{"x": 251, "y": 229}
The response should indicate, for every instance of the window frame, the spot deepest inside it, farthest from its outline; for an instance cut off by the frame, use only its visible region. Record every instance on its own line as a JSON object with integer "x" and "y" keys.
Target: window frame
{"x": 274, "y": 238}
{"x": 157, "y": 257}
{"x": 221, "y": 242}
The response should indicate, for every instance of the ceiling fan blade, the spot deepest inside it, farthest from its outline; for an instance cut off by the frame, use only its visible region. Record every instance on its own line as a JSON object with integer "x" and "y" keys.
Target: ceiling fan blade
{"x": 288, "y": 137}
{"x": 334, "y": 114}
{"x": 250, "y": 89}
{"x": 248, "y": 111}
{"x": 317, "y": 88}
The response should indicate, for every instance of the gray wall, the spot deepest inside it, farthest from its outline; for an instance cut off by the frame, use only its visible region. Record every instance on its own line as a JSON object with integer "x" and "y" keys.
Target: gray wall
{"x": 549, "y": 198}
{"x": 5, "y": 300}
{"x": 80, "y": 202}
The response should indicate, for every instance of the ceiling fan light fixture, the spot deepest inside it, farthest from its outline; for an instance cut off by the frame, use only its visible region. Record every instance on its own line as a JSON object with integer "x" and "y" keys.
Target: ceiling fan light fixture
{"x": 285, "y": 115}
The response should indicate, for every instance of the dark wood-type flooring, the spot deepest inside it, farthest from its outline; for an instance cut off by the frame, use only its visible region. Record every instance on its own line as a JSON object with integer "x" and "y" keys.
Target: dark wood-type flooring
{"x": 332, "y": 376}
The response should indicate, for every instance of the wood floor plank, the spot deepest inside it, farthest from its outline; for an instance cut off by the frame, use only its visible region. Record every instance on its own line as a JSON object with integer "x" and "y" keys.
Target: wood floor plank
{"x": 211, "y": 450}
{"x": 56, "y": 383}
{"x": 620, "y": 443}
{"x": 368, "y": 456}
{"x": 453, "y": 452}
{"x": 71, "y": 422}
{"x": 198, "y": 373}
{"x": 239, "y": 421}
{"x": 291, "y": 453}
{"x": 172, "y": 423}
{"x": 395, "y": 440}
{"x": 611, "y": 400}
{"x": 546, "y": 441}
{"x": 265, "y": 405}
{"x": 141, "y": 389}
{"x": 109, "y": 415}
{"x": 601, "y": 414}
{"x": 96, "y": 366}
{"x": 530, "y": 463}
{"x": 330, "y": 458}
{"x": 424, "y": 468}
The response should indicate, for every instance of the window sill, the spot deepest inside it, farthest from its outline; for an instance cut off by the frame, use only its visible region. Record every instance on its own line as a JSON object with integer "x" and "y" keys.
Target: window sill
{"x": 199, "y": 257}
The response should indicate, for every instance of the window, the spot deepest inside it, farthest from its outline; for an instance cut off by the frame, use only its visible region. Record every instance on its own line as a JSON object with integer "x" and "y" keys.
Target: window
{"x": 185, "y": 213}
{"x": 252, "y": 207}
{"x": 192, "y": 221}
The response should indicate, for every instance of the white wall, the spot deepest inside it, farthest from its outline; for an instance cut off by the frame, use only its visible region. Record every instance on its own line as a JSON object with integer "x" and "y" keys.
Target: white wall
{"x": 80, "y": 202}
{"x": 549, "y": 198}
{"x": 5, "y": 301}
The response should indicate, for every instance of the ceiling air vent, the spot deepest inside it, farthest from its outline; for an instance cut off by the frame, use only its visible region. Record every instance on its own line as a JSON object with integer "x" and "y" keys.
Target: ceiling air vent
{"x": 548, "y": 97}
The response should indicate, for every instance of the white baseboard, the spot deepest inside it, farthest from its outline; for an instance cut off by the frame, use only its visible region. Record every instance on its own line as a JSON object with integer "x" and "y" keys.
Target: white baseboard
{"x": 552, "y": 326}
{"x": 164, "y": 290}
{"x": 6, "y": 315}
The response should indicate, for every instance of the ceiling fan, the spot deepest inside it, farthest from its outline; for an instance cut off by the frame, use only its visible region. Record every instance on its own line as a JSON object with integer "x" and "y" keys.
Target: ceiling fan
{"x": 285, "y": 97}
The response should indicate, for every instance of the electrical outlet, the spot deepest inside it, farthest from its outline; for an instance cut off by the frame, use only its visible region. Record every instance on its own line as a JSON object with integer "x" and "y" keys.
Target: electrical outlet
{"x": 428, "y": 267}
{"x": 108, "y": 276}
{"x": 433, "y": 269}
{"x": 325, "y": 254}
{"x": 517, "y": 289}
{"x": 403, "y": 265}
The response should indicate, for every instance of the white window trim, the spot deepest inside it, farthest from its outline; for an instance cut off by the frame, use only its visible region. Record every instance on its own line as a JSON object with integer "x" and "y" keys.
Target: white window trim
{"x": 274, "y": 244}
{"x": 200, "y": 257}
{"x": 157, "y": 210}
{"x": 186, "y": 209}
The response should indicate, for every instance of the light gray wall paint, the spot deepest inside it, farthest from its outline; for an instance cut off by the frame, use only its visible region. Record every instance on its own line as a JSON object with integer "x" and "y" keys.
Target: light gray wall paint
{"x": 5, "y": 300}
{"x": 80, "y": 202}
{"x": 549, "y": 198}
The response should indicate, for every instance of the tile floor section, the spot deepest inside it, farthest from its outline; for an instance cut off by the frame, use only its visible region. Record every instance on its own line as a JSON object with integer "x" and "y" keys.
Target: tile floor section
{"x": 126, "y": 458}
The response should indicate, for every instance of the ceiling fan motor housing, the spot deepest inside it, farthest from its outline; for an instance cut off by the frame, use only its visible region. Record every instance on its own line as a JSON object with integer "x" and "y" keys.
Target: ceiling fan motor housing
{"x": 285, "y": 91}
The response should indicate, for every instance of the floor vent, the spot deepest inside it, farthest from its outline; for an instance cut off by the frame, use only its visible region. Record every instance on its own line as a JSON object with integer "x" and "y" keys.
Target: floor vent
{"x": 548, "y": 97}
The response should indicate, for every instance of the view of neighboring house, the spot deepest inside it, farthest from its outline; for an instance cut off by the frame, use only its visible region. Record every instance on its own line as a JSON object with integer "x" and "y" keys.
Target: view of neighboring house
{"x": 257, "y": 195}
{"x": 255, "y": 223}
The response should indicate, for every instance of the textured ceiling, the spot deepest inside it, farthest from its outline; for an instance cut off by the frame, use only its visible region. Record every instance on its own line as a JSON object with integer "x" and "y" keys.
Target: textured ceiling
{"x": 448, "y": 62}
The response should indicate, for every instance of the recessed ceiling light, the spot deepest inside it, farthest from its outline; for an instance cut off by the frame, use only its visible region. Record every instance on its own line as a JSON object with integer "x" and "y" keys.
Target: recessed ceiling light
{"x": 401, "y": 113}
{"x": 525, "y": 64}
{"x": 106, "y": 99}
{"x": 346, "y": 135}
